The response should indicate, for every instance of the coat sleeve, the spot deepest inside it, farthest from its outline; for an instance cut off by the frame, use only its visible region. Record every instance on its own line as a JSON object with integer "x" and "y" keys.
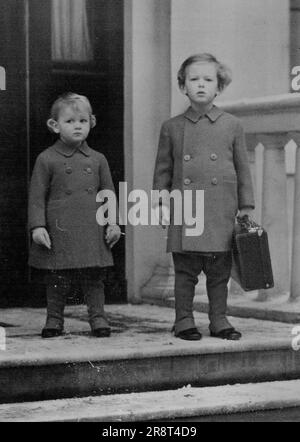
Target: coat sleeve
{"x": 38, "y": 191}
{"x": 241, "y": 162}
{"x": 106, "y": 182}
{"x": 163, "y": 171}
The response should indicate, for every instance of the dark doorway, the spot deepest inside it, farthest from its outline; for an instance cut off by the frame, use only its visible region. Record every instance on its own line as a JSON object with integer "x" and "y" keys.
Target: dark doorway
{"x": 39, "y": 68}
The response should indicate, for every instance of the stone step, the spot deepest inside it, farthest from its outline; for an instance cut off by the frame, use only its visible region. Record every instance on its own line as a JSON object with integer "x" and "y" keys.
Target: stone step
{"x": 142, "y": 355}
{"x": 186, "y": 402}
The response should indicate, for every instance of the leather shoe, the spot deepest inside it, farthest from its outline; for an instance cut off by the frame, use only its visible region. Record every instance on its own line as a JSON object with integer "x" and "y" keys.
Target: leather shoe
{"x": 230, "y": 334}
{"x": 191, "y": 334}
{"x": 51, "y": 332}
{"x": 101, "y": 332}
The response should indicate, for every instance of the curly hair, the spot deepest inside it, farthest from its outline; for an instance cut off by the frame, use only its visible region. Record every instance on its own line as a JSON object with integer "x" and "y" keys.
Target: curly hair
{"x": 70, "y": 99}
{"x": 223, "y": 72}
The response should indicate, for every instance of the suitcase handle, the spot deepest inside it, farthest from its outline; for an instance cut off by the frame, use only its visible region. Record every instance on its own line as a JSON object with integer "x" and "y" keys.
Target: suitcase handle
{"x": 248, "y": 225}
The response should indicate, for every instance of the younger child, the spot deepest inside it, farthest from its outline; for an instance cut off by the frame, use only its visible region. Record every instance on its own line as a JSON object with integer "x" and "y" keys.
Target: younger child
{"x": 67, "y": 241}
{"x": 204, "y": 149}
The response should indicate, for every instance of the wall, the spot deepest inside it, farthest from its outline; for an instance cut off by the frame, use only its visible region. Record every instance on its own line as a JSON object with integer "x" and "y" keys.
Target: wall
{"x": 251, "y": 36}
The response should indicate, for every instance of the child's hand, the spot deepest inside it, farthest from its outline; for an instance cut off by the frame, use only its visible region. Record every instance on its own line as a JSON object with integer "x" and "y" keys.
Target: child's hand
{"x": 112, "y": 236}
{"x": 41, "y": 237}
{"x": 162, "y": 213}
{"x": 245, "y": 211}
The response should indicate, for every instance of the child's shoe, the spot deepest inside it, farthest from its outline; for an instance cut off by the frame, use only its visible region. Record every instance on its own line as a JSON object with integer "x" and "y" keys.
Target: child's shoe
{"x": 192, "y": 334}
{"x": 51, "y": 332}
{"x": 230, "y": 334}
{"x": 101, "y": 332}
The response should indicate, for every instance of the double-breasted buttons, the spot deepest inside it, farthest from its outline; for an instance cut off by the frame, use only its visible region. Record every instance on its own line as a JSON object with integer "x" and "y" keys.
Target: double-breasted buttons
{"x": 187, "y": 181}
{"x": 214, "y": 157}
{"x": 88, "y": 170}
{"x": 90, "y": 190}
{"x": 187, "y": 157}
{"x": 69, "y": 170}
{"x": 214, "y": 181}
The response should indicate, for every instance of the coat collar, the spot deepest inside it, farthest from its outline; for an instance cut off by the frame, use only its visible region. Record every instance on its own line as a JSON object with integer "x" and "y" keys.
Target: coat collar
{"x": 195, "y": 116}
{"x": 67, "y": 151}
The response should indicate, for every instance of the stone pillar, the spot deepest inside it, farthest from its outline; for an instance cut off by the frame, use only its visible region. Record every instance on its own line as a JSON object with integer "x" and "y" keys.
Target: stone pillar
{"x": 147, "y": 105}
{"x": 274, "y": 211}
{"x": 295, "y": 276}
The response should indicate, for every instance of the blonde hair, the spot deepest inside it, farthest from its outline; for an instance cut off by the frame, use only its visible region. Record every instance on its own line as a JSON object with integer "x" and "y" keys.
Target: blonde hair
{"x": 224, "y": 74}
{"x": 70, "y": 99}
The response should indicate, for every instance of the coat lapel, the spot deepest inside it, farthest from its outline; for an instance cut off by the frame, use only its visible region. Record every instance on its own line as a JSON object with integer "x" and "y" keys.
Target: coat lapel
{"x": 66, "y": 151}
{"x": 195, "y": 116}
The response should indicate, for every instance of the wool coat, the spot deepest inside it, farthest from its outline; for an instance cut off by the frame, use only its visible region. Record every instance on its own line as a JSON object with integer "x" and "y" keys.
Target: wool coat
{"x": 62, "y": 199}
{"x": 205, "y": 153}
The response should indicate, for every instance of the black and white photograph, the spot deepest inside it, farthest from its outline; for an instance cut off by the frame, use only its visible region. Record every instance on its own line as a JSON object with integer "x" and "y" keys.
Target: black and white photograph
{"x": 149, "y": 214}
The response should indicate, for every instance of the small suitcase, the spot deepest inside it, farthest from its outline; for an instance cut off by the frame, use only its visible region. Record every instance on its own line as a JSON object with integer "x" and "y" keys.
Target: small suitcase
{"x": 252, "y": 267}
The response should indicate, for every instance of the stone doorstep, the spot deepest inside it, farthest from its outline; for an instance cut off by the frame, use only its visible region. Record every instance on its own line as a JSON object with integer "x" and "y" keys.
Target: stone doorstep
{"x": 141, "y": 355}
{"x": 138, "y": 331}
{"x": 175, "y": 404}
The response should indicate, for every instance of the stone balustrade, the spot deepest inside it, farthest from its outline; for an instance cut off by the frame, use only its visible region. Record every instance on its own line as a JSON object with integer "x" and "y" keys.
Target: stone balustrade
{"x": 272, "y": 123}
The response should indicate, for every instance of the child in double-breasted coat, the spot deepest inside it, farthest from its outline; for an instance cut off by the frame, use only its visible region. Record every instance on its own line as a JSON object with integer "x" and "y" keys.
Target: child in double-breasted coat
{"x": 204, "y": 149}
{"x": 67, "y": 240}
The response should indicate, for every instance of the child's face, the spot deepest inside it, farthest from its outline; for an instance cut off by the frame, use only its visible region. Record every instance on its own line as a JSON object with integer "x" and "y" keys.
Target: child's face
{"x": 73, "y": 125}
{"x": 201, "y": 83}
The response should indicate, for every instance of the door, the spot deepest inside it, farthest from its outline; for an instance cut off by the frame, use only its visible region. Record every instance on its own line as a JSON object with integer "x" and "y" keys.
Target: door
{"x": 13, "y": 155}
{"x": 65, "y": 45}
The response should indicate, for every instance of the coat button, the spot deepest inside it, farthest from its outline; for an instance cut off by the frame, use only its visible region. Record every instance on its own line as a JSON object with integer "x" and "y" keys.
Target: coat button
{"x": 89, "y": 170}
{"x": 90, "y": 190}
{"x": 187, "y": 157}
{"x": 214, "y": 181}
{"x": 69, "y": 170}
{"x": 187, "y": 181}
{"x": 214, "y": 157}
{"x": 69, "y": 192}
